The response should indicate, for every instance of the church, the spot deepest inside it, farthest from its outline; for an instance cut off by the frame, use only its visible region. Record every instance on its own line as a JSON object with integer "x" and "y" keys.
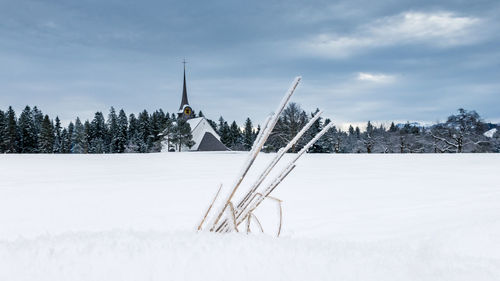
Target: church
{"x": 204, "y": 136}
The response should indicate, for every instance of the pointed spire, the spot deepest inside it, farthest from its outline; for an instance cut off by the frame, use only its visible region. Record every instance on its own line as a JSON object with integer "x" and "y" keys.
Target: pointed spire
{"x": 184, "y": 100}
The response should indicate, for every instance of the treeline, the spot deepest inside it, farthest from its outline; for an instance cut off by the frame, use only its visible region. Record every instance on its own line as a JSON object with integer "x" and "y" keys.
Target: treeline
{"x": 34, "y": 132}
{"x": 462, "y": 132}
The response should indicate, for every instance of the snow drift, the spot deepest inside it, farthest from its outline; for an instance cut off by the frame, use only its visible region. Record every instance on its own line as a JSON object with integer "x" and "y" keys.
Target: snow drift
{"x": 346, "y": 217}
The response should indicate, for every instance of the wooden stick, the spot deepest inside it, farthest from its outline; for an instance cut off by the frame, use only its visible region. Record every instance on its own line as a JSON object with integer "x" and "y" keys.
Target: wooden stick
{"x": 270, "y": 188}
{"x": 287, "y": 169}
{"x": 246, "y": 166}
{"x": 248, "y": 224}
{"x": 258, "y": 222}
{"x": 209, "y": 208}
{"x": 246, "y": 199}
{"x": 276, "y": 159}
{"x": 234, "y": 217}
{"x": 258, "y": 146}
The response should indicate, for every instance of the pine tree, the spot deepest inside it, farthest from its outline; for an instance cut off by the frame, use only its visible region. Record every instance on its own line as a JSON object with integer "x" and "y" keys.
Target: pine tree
{"x": 312, "y": 132}
{"x": 328, "y": 142}
{"x": 78, "y": 138}
{"x": 248, "y": 135}
{"x": 3, "y": 131}
{"x": 28, "y": 133}
{"x": 236, "y": 137}
{"x": 369, "y": 128}
{"x": 393, "y": 128}
{"x": 38, "y": 119}
{"x": 46, "y": 143}
{"x": 113, "y": 131}
{"x": 69, "y": 144}
{"x": 98, "y": 134}
{"x": 168, "y": 133}
{"x": 133, "y": 135}
{"x": 144, "y": 132}
{"x": 220, "y": 126}
{"x": 181, "y": 134}
{"x": 157, "y": 128}
{"x": 11, "y": 137}
{"x": 57, "y": 139}
{"x": 122, "y": 138}
{"x": 65, "y": 142}
{"x": 200, "y": 114}
{"x": 87, "y": 131}
{"x": 351, "y": 130}
{"x": 225, "y": 134}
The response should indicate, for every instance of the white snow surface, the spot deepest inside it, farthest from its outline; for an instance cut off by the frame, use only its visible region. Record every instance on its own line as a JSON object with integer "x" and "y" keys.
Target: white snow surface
{"x": 346, "y": 217}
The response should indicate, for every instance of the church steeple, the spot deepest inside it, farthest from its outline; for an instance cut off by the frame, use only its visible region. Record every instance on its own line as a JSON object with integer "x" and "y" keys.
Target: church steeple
{"x": 185, "y": 111}
{"x": 184, "y": 100}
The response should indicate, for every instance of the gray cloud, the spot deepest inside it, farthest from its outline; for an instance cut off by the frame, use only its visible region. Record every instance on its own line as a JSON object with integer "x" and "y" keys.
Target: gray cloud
{"x": 399, "y": 59}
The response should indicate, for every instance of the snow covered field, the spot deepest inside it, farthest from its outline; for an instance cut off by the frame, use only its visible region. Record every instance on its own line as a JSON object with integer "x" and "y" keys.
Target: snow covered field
{"x": 346, "y": 217}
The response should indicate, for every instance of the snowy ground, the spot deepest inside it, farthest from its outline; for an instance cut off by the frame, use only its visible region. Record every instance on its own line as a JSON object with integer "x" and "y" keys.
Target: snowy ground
{"x": 346, "y": 217}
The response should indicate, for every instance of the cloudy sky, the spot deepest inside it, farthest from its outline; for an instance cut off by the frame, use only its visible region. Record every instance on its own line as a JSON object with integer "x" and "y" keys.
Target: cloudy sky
{"x": 390, "y": 60}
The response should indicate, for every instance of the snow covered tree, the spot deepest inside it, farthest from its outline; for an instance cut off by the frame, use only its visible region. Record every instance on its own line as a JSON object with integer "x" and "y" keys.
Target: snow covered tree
{"x": 97, "y": 134}
{"x": 393, "y": 128}
{"x": 38, "y": 119}
{"x": 68, "y": 148}
{"x": 3, "y": 131}
{"x": 321, "y": 145}
{"x": 134, "y": 142}
{"x": 78, "y": 138}
{"x": 224, "y": 132}
{"x": 11, "y": 136}
{"x": 181, "y": 134}
{"x": 167, "y": 133}
{"x": 113, "y": 130}
{"x": 157, "y": 128}
{"x": 236, "y": 138}
{"x": 46, "y": 143}
{"x": 122, "y": 136}
{"x": 28, "y": 132}
{"x": 144, "y": 132}
{"x": 87, "y": 128}
{"x": 65, "y": 141}
{"x": 331, "y": 141}
{"x": 248, "y": 135}
{"x": 57, "y": 138}
{"x": 462, "y": 132}
{"x": 292, "y": 120}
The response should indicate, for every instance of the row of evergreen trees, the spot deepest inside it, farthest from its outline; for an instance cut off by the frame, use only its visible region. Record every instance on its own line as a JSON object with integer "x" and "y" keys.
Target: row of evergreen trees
{"x": 34, "y": 132}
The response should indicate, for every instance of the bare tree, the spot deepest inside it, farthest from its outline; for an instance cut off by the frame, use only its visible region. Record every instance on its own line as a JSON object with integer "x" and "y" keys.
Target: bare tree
{"x": 461, "y": 132}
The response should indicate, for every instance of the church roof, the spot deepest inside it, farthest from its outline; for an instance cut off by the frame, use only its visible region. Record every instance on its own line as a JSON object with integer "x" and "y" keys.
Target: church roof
{"x": 204, "y": 136}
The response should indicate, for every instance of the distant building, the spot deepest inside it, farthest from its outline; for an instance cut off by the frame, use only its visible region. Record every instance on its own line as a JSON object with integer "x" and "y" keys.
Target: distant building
{"x": 204, "y": 136}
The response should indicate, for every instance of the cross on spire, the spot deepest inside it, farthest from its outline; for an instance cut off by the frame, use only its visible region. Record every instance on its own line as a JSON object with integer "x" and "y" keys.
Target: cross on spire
{"x": 184, "y": 62}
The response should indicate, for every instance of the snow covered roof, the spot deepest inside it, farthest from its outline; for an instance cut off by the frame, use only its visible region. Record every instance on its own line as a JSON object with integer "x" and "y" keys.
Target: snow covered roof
{"x": 204, "y": 136}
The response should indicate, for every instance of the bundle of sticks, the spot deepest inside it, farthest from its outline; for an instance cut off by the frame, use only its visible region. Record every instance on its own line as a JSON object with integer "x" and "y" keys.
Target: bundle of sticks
{"x": 229, "y": 216}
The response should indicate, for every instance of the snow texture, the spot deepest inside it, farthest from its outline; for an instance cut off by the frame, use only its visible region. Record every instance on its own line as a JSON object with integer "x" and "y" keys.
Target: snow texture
{"x": 346, "y": 217}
